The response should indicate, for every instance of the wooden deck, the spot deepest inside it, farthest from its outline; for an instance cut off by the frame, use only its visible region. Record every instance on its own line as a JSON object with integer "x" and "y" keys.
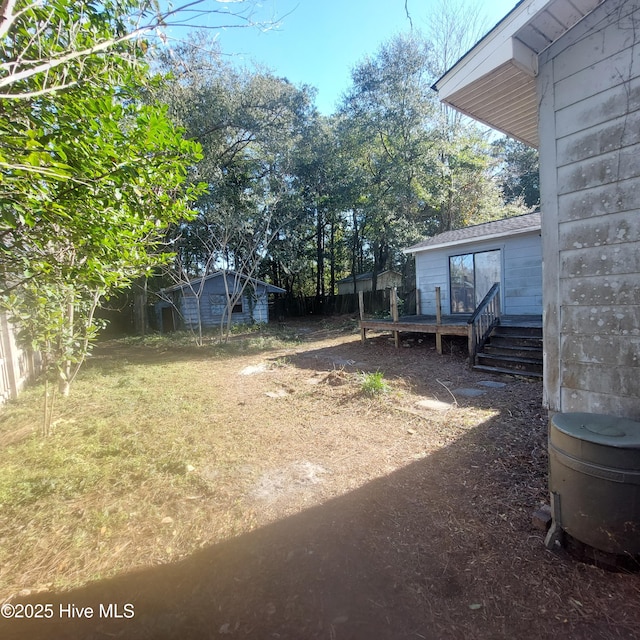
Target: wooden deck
{"x": 449, "y": 325}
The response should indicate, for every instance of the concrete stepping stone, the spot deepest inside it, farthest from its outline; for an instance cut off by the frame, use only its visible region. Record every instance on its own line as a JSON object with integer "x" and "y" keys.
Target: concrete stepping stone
{"x": 469, "y": 393}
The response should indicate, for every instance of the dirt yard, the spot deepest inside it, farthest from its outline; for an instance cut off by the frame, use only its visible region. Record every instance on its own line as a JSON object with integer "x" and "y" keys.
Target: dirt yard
{"x": 334, "y": 514}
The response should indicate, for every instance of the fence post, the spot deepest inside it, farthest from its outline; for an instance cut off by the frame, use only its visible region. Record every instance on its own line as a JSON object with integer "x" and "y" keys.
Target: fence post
{"x": 394, "y": 304}
{"x": 438, "y": 321}
{"x": 363, "y": 331}
{"x": 394, "y": 314}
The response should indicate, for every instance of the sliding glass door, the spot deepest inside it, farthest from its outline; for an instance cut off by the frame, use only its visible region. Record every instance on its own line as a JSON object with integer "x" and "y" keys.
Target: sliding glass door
{"x": 471, "y": 276}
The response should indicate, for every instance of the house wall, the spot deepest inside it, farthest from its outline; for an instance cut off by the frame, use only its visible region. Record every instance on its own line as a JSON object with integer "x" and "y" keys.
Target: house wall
{"x": 213, "y": 304}
{"x": 345, "y": 288}
{"x": 255, "y": 305}
{"x": 589, "y": 93}
{"x": 521, "y": 286}
{"x": 385, "y": 280}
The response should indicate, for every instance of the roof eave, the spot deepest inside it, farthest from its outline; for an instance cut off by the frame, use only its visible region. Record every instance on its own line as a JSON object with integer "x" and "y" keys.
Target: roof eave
{"x": 494, "y": 82}
{"x": 271, "y": 288}
{"x": 466, "y": 241}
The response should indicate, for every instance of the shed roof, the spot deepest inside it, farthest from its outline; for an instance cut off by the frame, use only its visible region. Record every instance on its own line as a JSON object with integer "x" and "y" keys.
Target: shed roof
{"x": 494, "y": 82}
{"x": 526, "y": 223}
{"x": 196, "y": 281}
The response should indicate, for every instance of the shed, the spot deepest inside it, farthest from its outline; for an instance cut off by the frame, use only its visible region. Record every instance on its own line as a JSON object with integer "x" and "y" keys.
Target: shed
{"x": 205, "y": 300}
{"x": 565, "y": 76}
{"x": 364, "y": 282}
{"x": 465, "y": 263}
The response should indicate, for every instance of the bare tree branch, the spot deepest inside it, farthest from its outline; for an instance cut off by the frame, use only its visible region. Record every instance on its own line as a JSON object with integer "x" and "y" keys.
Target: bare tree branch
{"x": 21, "y": 68}
{"x": 406, "y": 10}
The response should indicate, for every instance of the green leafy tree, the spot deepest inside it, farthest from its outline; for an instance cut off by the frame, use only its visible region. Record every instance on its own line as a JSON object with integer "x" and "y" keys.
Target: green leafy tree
{"x": 52, "y": 45}
{"x": 419, "y": 170}
{"x": 248, "y": 123}
{"x": 321, "y": 175}
{"x": 387, "y": 115}
{"x": 518, "y": 171}
{"x": 90, "y": 177}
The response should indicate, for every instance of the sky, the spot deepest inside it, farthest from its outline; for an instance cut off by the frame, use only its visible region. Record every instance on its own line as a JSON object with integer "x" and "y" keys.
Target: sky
{"x": 318, "y": 42}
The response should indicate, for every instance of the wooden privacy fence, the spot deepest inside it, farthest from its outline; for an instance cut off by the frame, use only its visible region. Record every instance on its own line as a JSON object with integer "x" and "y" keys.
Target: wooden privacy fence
{"x": 375, "y": 301}
{"x": 17, "y": 365}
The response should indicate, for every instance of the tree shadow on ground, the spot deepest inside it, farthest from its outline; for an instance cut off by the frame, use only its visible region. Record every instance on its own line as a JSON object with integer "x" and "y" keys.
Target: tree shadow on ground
{"x": 442, "y": 548}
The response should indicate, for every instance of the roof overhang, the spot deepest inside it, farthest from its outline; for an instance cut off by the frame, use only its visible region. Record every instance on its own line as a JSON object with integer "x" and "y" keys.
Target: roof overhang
{"x": 476, "y": 240}
{"x": 270, "y": 288}
{"x": 495, "y": 82}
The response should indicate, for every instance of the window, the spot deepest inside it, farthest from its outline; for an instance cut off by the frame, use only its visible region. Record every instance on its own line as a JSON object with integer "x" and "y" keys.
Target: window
{"x": 471, "y": 276}
{"x": 219, "y": 305}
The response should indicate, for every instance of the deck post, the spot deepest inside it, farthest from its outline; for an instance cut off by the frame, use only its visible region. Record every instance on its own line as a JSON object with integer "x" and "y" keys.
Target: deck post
{"x": 417, "y": 301}
{"x": 394, "y": 314}
{"x": 363, "y": 331}
{"x": 438, "y": 322}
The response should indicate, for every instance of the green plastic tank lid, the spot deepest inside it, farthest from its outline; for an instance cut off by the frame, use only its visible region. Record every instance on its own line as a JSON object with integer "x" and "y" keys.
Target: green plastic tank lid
{"x": 601, "y": 429}
{"x": 605, "y": 430}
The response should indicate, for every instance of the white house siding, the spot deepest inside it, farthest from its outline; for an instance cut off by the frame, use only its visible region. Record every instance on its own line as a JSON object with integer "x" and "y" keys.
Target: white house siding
{"x": 589, "y": 90}
{"x": 521, "y": 285}
{"x": 432, "y": 270}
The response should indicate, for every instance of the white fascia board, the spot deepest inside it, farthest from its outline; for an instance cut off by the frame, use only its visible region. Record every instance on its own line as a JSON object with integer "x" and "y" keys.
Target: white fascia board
{"x": 496, "y": 48}
{"x": 471, "y": 241}
{"x": 524, "y": 58}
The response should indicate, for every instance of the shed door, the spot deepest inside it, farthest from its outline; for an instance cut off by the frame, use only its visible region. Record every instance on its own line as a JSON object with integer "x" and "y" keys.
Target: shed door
{"x": 471, "y": 276}
{"x": 168, "y": 323}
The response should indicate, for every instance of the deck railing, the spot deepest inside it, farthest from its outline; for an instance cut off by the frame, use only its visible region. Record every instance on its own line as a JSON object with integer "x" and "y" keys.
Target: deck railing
{"x": 485, "y": 317}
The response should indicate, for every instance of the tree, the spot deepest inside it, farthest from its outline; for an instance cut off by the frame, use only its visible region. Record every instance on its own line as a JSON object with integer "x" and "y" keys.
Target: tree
{"x": 453, "y": 27}
{"x": 387, "y": 116}
{"x": 90, "y": 177}
{"x": 97, "y": 230}
{"x": 518, "y": 173}
{"x": 52, "y": 45}
{"x": 248, "y": 123}
{"x": 419, "y": 170}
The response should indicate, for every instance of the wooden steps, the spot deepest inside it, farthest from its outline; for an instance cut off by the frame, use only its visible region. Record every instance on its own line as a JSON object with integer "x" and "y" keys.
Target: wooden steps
{"x": 512, "y": 349}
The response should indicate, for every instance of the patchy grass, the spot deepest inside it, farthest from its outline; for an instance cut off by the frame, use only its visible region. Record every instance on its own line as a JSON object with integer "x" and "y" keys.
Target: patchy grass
{"x": 120, "y": 453}
{"x": 164, "y": 450}
{"x": 155, "y": 429}
{"x": 242, "y": 339}
{"x": 373, "y": 384}
{"x": 128, "y": 464}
